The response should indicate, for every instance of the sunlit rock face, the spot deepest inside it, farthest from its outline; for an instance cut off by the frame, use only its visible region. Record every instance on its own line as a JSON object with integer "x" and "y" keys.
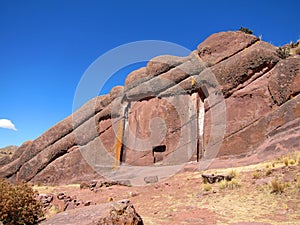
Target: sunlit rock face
{"x": 232, "y": 97}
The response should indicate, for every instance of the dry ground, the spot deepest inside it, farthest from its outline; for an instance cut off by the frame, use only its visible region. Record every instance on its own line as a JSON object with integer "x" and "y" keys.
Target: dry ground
{"x": 185, "y": 199}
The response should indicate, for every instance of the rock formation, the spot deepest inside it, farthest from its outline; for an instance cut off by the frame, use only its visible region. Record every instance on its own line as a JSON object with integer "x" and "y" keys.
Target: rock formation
{"x": 234, "y": 96}
{"x": 118, "y": 213}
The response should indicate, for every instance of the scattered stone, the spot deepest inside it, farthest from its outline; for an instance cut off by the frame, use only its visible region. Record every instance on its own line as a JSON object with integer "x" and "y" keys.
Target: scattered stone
{"x": 84, "y": 185}
{"x": 101, "y": 184}
{"x": 93, "y": 184}
{"x": 89, "y": 203}
{"x": 211, "y": 179}
{"x": 133, "y": 194}
{"x": 121, "y": 213}
{"x": 151, "y": 179}
{"x": 60, "y": 196}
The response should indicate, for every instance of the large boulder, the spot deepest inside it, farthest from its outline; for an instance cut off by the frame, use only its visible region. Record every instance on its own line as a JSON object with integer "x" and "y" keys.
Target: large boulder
{"x": 117, "y": 213}
{"x": 223, "y": 45}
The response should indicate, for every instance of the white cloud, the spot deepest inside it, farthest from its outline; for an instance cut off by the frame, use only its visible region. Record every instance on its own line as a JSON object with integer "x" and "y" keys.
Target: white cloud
{"x": 5, "y": 123}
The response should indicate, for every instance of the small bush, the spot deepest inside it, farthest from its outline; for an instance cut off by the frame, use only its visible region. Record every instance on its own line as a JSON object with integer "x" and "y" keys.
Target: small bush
{"x": 286, "y": 161}
{"x": 292, "y": 162}
{"x": 246, "y": 30}
{"x": 207, "y": 187}
{"x": 223, "y": 184}
{"x": 283, "y": 52}
{"x": 255, "y": 175}
{"x": 233, "y": 174}
{"x": 234, "y": 183}
{"x": 18, "y": 204}
{"x": 277, "y": 186}
{"x": 268, "y": 172}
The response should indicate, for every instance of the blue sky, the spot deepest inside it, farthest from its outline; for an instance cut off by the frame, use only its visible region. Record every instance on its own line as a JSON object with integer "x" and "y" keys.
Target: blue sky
{"x": 46, "y": 46}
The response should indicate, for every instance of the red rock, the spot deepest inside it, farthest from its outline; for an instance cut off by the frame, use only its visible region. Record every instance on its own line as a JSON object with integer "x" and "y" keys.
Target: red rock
{"x": 285, "y": 80}
{"x": 70, "y": 168}
{"x": 253, "y": 136}
{"x": 160, "y": 122}
{"x": 119, "y": 213}
{"x": 223, "y": 45}
{"x": 236, "y": 71}
{"x": 135, "y": 78}
{"x": 260, "y": 91}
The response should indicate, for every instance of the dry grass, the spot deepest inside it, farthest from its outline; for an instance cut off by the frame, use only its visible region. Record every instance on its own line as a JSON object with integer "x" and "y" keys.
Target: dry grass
{"x": 268, "y": 172}
{"x": 234, "y": 183}
{"x": 241, "y": 200}
{"x": 256, "y": 175}
{"x": 206, "y": 187}
{"x": 277, "y": 186}
{"x": 286, "y": 161}
{"x": 298, "y": 182}
{"x": 233, "y": 173}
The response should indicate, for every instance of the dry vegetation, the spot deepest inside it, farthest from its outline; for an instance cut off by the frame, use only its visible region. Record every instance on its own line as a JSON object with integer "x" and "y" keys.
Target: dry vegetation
{"x": 18, "y": 204}
{"x": 266, "y": 192}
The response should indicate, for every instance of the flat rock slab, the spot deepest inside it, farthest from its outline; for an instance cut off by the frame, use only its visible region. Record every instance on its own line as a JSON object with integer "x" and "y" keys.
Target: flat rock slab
{"x": 118, "y": 213}
{"x": 84, "y": 216}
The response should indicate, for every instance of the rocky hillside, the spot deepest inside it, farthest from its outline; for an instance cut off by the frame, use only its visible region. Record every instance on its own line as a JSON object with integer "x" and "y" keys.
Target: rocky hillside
{"x": 8, "y": 150}
{"x": 235, "y": 96}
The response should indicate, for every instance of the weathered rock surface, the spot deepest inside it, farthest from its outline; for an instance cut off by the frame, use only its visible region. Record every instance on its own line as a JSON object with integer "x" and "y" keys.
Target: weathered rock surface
{"x": 117, "y": 213}
{"x": 222, "y": 45}
{"x": 233, "y": 96}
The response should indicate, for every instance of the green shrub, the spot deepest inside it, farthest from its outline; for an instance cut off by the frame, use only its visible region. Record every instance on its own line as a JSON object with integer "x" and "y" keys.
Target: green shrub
{"x": 18, "y": 204}
{"x": 246, "y": 30}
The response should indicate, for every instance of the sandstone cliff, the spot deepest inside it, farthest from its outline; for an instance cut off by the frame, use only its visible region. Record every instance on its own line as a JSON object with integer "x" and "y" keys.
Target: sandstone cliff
{"x": 234, "y": 96}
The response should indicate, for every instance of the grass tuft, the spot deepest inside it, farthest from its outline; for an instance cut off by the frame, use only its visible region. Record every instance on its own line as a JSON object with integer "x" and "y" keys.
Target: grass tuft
{"x": 292, "y": 162}
{"x": 256, "y": 175}
{"x": 286, "y": 161}
{"x": 233, "y": 173}
{"x": 277, "y": 186}
{"x": 206, "y": 187}
{"x": 234, "y": 183}
{"x": 268, "y": 172}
